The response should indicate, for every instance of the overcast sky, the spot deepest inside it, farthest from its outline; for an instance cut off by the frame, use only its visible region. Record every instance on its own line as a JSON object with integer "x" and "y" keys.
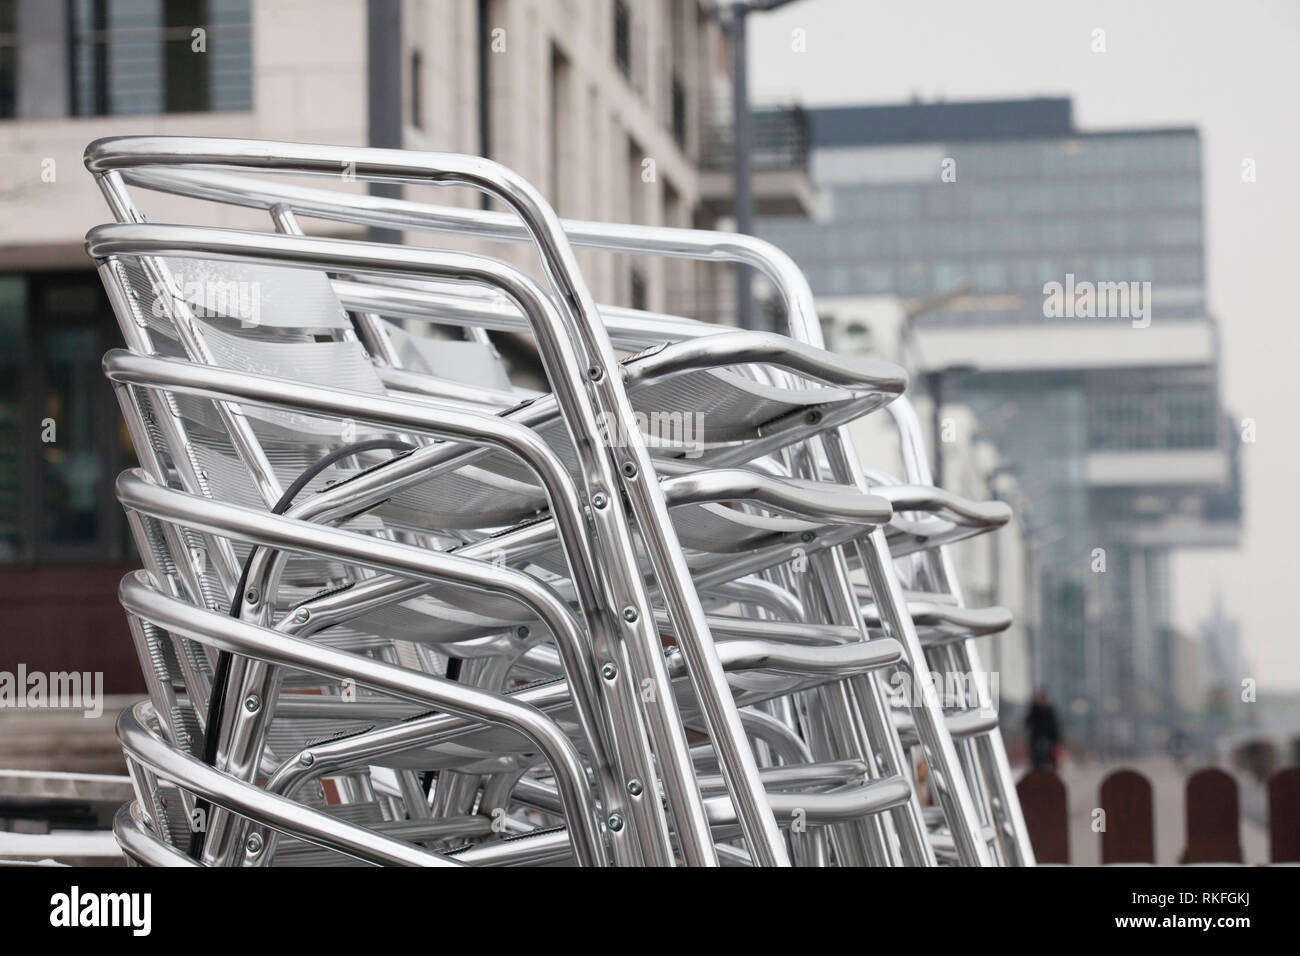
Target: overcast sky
{"x": 1231, "y": 68}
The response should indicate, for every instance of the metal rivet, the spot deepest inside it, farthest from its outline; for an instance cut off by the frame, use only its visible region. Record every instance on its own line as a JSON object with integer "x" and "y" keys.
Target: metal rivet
{"x": 307, "y": 759}
{"x": 629, "y": 469}
{"x": 634, "y": 787}
{"x": 251, "y": 703}
{"x": 615, "y": 821}
{"x": 522, "y": 631}
{"x": 630, "y": 614}
{"x": 600, "y": 499}
{"x": 254, "y": 845}
{"x": 302, "y": 615}
{"x": 609, "y": 671}
{"x": 812, "y": 418}
{"x": 806, "y": 537}
{"x": 251, "y": 595}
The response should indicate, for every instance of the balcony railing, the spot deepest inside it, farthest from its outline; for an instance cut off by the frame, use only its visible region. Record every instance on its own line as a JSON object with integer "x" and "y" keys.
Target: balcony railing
{"x": 779, "y": 139}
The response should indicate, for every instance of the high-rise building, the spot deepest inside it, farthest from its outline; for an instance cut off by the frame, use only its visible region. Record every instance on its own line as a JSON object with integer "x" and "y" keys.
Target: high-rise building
{"x": 1054, "y": 281}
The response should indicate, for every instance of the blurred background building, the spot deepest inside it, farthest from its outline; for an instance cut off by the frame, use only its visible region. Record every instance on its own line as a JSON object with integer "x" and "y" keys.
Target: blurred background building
{"x": 1111, "y": 427}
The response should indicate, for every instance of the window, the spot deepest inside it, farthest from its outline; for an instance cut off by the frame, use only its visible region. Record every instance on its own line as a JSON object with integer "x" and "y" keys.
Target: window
{"x": 484, "y": 26}
{"x": 8, "y": 59}
{"x": 417, "y": 83}
{"x": 139, "y": 57}
{"x": 62, "y": 442}
{"x": 623, "y": 37}
{"x": 637, "y": 292}
{"x": 678, "y": 94}
{"x": 564, "y": 134}
{"x": 13, "y": 361}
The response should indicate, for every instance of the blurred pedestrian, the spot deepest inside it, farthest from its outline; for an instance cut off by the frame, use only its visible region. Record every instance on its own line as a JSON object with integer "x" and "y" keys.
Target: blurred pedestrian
{"x": 1044, "y": 731}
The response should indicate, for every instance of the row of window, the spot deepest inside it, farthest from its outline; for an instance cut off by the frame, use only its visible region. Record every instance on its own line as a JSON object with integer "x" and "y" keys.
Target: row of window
{"x": 867, "y": 203}
{"x": 1017, "y": 275}
{"x": 1176, "y": 281}
{"x": 1089, "y": 155}
{"x": 1168, "y": 418}
{"x": 816, "y": 242}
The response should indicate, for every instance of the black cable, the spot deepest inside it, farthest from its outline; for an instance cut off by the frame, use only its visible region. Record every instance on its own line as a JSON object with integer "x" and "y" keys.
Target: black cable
{"x": 221, "y": 673}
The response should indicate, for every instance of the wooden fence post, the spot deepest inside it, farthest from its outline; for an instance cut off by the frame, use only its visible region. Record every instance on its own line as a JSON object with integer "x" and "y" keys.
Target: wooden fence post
{"x": 1047, "y": 816}
{"x": 1129, "y": 836}
{"x": 1213, "y": 818}
{"x": 1284, "y": 816}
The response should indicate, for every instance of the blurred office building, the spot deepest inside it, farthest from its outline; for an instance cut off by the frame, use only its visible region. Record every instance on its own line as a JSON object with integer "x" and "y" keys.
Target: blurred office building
{"x": 1051, "y": 281}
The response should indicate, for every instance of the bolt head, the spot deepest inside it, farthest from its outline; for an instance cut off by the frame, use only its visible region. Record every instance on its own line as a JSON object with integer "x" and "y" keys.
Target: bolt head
{"x": 302, "y": 615}
{"x": 630, "y": 614}
{"x": 600, "y": 499}
{"x": 307, "y": 759}
{"x": 251, "y": 703}
{"x": 251, "y": 595}
{"x": 595, "y": 373}
{"x": 522, "y": 631}
{"x": 634, "y": 787}
{"x": 609, "y": 671}
{"x": 254, "y": 845}
{"x": 615, "y": 822}
{"x": 629, "y": 469}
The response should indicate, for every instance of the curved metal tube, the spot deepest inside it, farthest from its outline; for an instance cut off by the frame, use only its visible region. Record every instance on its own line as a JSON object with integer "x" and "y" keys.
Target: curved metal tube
{"x": 209, "y": 381}
{"x": 702, "y": 245}
{"x": 841, "y": 806}
{"x": 238, "y": 797}
{"x": 143, "y": 846}
{"x": 831, "y": 661}
{"x": 606, "y": 389}
{"x": 246, "y": 639}
{"x": 827, "y": 503}
{"x": 636, "y": 239}
{"x": 558, "y": 355}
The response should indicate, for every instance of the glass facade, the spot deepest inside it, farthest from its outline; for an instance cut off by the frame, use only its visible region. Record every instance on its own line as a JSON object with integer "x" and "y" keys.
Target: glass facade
{"x": 1002, "y": 219}
{"x": 979, "y": 207}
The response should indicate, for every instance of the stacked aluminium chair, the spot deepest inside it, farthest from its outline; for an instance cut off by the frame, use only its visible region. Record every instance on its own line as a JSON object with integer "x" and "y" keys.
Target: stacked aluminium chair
{"x": 397, "y": 610}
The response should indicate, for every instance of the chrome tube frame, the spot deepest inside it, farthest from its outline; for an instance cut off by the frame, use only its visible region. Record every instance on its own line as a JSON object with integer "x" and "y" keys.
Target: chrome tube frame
{"x": 627, "y": 451}
{"x": 235, "y": 796}
{"x": 221, "y": 630}
{"x": 991, "y": 753}
{"x": 151, "y": 240}
{"x": 804, "y": 327}
{"x": 892, "y": 613}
